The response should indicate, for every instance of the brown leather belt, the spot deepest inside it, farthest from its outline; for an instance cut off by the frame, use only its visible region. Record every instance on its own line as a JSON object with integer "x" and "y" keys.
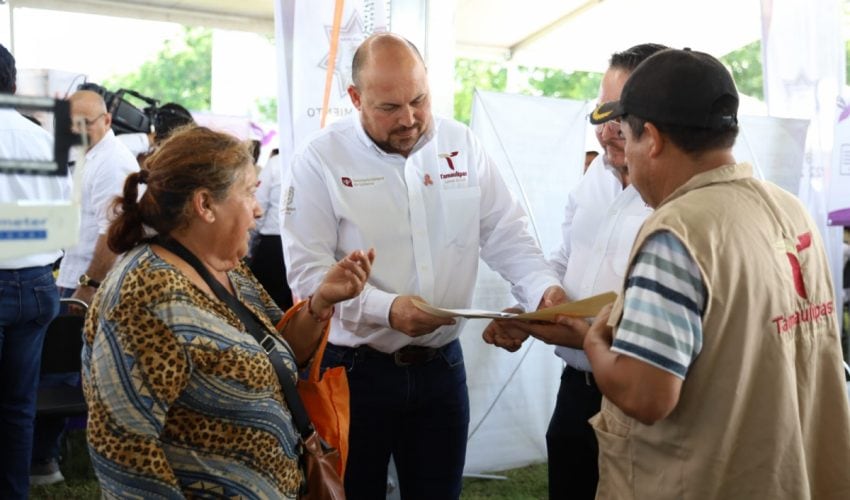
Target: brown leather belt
{"x": 406, "y": 356}
{"x": 414, "y": 355}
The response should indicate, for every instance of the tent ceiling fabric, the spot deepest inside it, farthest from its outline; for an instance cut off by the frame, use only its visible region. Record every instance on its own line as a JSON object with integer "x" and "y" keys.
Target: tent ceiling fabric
{"x": 243, "y": 15}
{"x": 568, "y": 34}
{"x": 582, "y": 34}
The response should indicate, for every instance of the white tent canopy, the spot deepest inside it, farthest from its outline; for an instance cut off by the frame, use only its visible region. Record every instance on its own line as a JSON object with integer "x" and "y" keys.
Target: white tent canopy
{"x": 570, "y": 34}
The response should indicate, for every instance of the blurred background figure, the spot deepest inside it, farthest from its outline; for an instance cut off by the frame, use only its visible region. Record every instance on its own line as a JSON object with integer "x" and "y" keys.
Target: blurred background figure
{"x": 29, "y": 300}
{"x": 267, "y": 256}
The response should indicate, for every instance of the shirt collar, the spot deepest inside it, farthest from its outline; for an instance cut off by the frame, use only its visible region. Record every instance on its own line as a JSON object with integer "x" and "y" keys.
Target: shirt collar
{"x": 101, "y": 146}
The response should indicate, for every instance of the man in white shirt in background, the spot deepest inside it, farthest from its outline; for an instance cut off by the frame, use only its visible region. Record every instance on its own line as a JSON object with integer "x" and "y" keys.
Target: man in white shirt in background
{"x": 602, "y": 218}
{"x": 29, "y": 300}
{"x": 107, "y": 164}
{"x": 423, "y": 193}
{"x": 267, "y": 253}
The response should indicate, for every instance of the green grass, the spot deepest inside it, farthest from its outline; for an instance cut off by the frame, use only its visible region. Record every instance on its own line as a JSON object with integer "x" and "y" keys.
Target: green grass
{"x": 80, "y": 482}
{"x": 526, "y": 483}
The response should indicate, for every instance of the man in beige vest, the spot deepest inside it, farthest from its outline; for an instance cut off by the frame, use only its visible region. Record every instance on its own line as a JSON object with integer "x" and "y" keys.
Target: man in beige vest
{"x": 720, "y": 363}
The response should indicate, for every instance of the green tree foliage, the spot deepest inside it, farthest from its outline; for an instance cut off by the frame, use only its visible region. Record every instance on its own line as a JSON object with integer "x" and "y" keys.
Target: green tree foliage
{"x": 745, "y": 65}
{"x": 550, "y": 82}
{"x": 267, "y": 108}
{"x": 484, "y": 75}
{"x": 181, "y": 72}
{"x": 470, "y": 75}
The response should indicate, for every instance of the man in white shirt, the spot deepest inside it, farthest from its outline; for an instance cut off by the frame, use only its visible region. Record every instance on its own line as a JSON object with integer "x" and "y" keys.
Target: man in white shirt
{"x": 422, "y": 192}
{"x": 29, "y": 300}
{"x": 107, "y": 164}
{"x": 602, "y": 217}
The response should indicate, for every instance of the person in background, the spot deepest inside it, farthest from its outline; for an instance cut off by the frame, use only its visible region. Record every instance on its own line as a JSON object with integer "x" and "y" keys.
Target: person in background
{"x": 720, "y": 361}
{"x": 107, "y": 164}
{"x": 589, "y": 156}
{"x": 183, "y": 401}
{"x": 167, "y": 118}
{"x": 602, "y": 217}
{"x": 29, "y": 299}
{"x": 423, "y": 192}
{"x": 267, "y": 262}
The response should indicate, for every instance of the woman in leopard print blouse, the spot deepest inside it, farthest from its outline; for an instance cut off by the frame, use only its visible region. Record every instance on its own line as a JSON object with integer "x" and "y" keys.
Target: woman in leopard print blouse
{"x": 183, "y": 402}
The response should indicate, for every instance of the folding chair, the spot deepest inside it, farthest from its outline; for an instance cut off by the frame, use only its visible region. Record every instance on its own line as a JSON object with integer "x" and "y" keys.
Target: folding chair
{"x": 63, "y": 345}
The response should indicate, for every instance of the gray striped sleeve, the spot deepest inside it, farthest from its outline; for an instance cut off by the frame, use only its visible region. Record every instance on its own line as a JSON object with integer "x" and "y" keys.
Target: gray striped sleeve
{"x": 664, "y": 302}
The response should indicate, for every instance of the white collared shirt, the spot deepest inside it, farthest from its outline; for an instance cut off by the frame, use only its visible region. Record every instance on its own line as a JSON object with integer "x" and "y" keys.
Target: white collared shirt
{"x": 426, "y": 215}
{"x": 21, "y": 139}
{"x": 107, "y": 166}
{"x": 268, "y": 196}
{"x": 600, "y": 224}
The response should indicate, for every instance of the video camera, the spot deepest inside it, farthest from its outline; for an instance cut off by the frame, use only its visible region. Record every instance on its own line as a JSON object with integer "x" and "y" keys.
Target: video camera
{"x": 126, "y": 118}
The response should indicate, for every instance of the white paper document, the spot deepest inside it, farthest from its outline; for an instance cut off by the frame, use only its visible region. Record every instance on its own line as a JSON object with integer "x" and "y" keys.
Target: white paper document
{"x": 584, "y": 308}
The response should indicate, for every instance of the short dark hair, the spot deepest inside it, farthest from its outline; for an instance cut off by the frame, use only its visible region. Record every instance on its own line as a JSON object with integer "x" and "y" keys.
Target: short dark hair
{"x": 170, "y": 116}
{"x": 631, "y": 57}
{"x": 363, "y": 50}
{"x": 8, "y": 73}
{"x": 691, "y": 140}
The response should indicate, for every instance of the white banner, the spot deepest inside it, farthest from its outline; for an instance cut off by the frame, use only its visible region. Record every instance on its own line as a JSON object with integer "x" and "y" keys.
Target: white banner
{"x": 308, "y": 32}
{"x": 775, "y": 147}
{"x": 804, "y": 68}
{"x": 838, "y": 202}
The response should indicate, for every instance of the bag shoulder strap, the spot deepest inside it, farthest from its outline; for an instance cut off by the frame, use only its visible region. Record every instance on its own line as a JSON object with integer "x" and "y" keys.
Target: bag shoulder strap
{"x": 255, "y": 327}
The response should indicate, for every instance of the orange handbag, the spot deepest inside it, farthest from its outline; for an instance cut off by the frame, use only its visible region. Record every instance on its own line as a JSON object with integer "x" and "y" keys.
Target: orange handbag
{"x": 325, "y": 396}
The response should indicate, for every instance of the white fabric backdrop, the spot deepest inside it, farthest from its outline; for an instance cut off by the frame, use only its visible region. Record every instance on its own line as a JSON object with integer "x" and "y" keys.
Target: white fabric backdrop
{"x": 804, "y": 70}
{"x": 775, "y": 147}
{"x": 539, "y": 145}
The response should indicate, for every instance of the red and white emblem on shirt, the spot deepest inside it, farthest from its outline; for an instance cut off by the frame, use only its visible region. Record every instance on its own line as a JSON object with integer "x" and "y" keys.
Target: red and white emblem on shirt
{"x": 448, "y": 157}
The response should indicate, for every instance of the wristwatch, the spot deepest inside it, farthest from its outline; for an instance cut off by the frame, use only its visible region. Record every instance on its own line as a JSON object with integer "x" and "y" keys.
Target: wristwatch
{"x": 86, "y": 281}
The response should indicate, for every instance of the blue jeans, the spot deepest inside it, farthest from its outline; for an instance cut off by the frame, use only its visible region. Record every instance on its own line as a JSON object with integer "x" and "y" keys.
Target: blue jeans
{"x": 47, "y": 435}
{"x": 419, "y": 414}
{"x": 28, "y": 303}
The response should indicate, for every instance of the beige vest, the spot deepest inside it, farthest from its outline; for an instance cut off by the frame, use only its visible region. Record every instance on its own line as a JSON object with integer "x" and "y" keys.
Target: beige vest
{"x": 763, "y": 411}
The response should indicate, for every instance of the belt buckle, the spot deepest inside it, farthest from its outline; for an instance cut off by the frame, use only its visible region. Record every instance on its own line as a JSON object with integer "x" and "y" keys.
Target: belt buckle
{"x": 399, "y": 358}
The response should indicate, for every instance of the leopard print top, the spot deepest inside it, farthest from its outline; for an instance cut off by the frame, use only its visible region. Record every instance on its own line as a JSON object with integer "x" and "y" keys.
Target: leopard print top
{"x": 182, "y": 401}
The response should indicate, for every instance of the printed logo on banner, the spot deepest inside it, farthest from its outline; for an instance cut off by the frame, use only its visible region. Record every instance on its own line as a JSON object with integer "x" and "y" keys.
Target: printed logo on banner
{"x": 350, "y": 36}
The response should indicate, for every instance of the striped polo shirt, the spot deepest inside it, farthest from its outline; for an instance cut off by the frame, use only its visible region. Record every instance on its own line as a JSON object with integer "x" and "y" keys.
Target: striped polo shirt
{"x": 663, "y": 305}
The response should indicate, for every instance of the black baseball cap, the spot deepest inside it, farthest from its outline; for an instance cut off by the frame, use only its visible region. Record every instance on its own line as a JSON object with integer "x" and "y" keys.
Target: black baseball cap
{"x": 677, "y": 87}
